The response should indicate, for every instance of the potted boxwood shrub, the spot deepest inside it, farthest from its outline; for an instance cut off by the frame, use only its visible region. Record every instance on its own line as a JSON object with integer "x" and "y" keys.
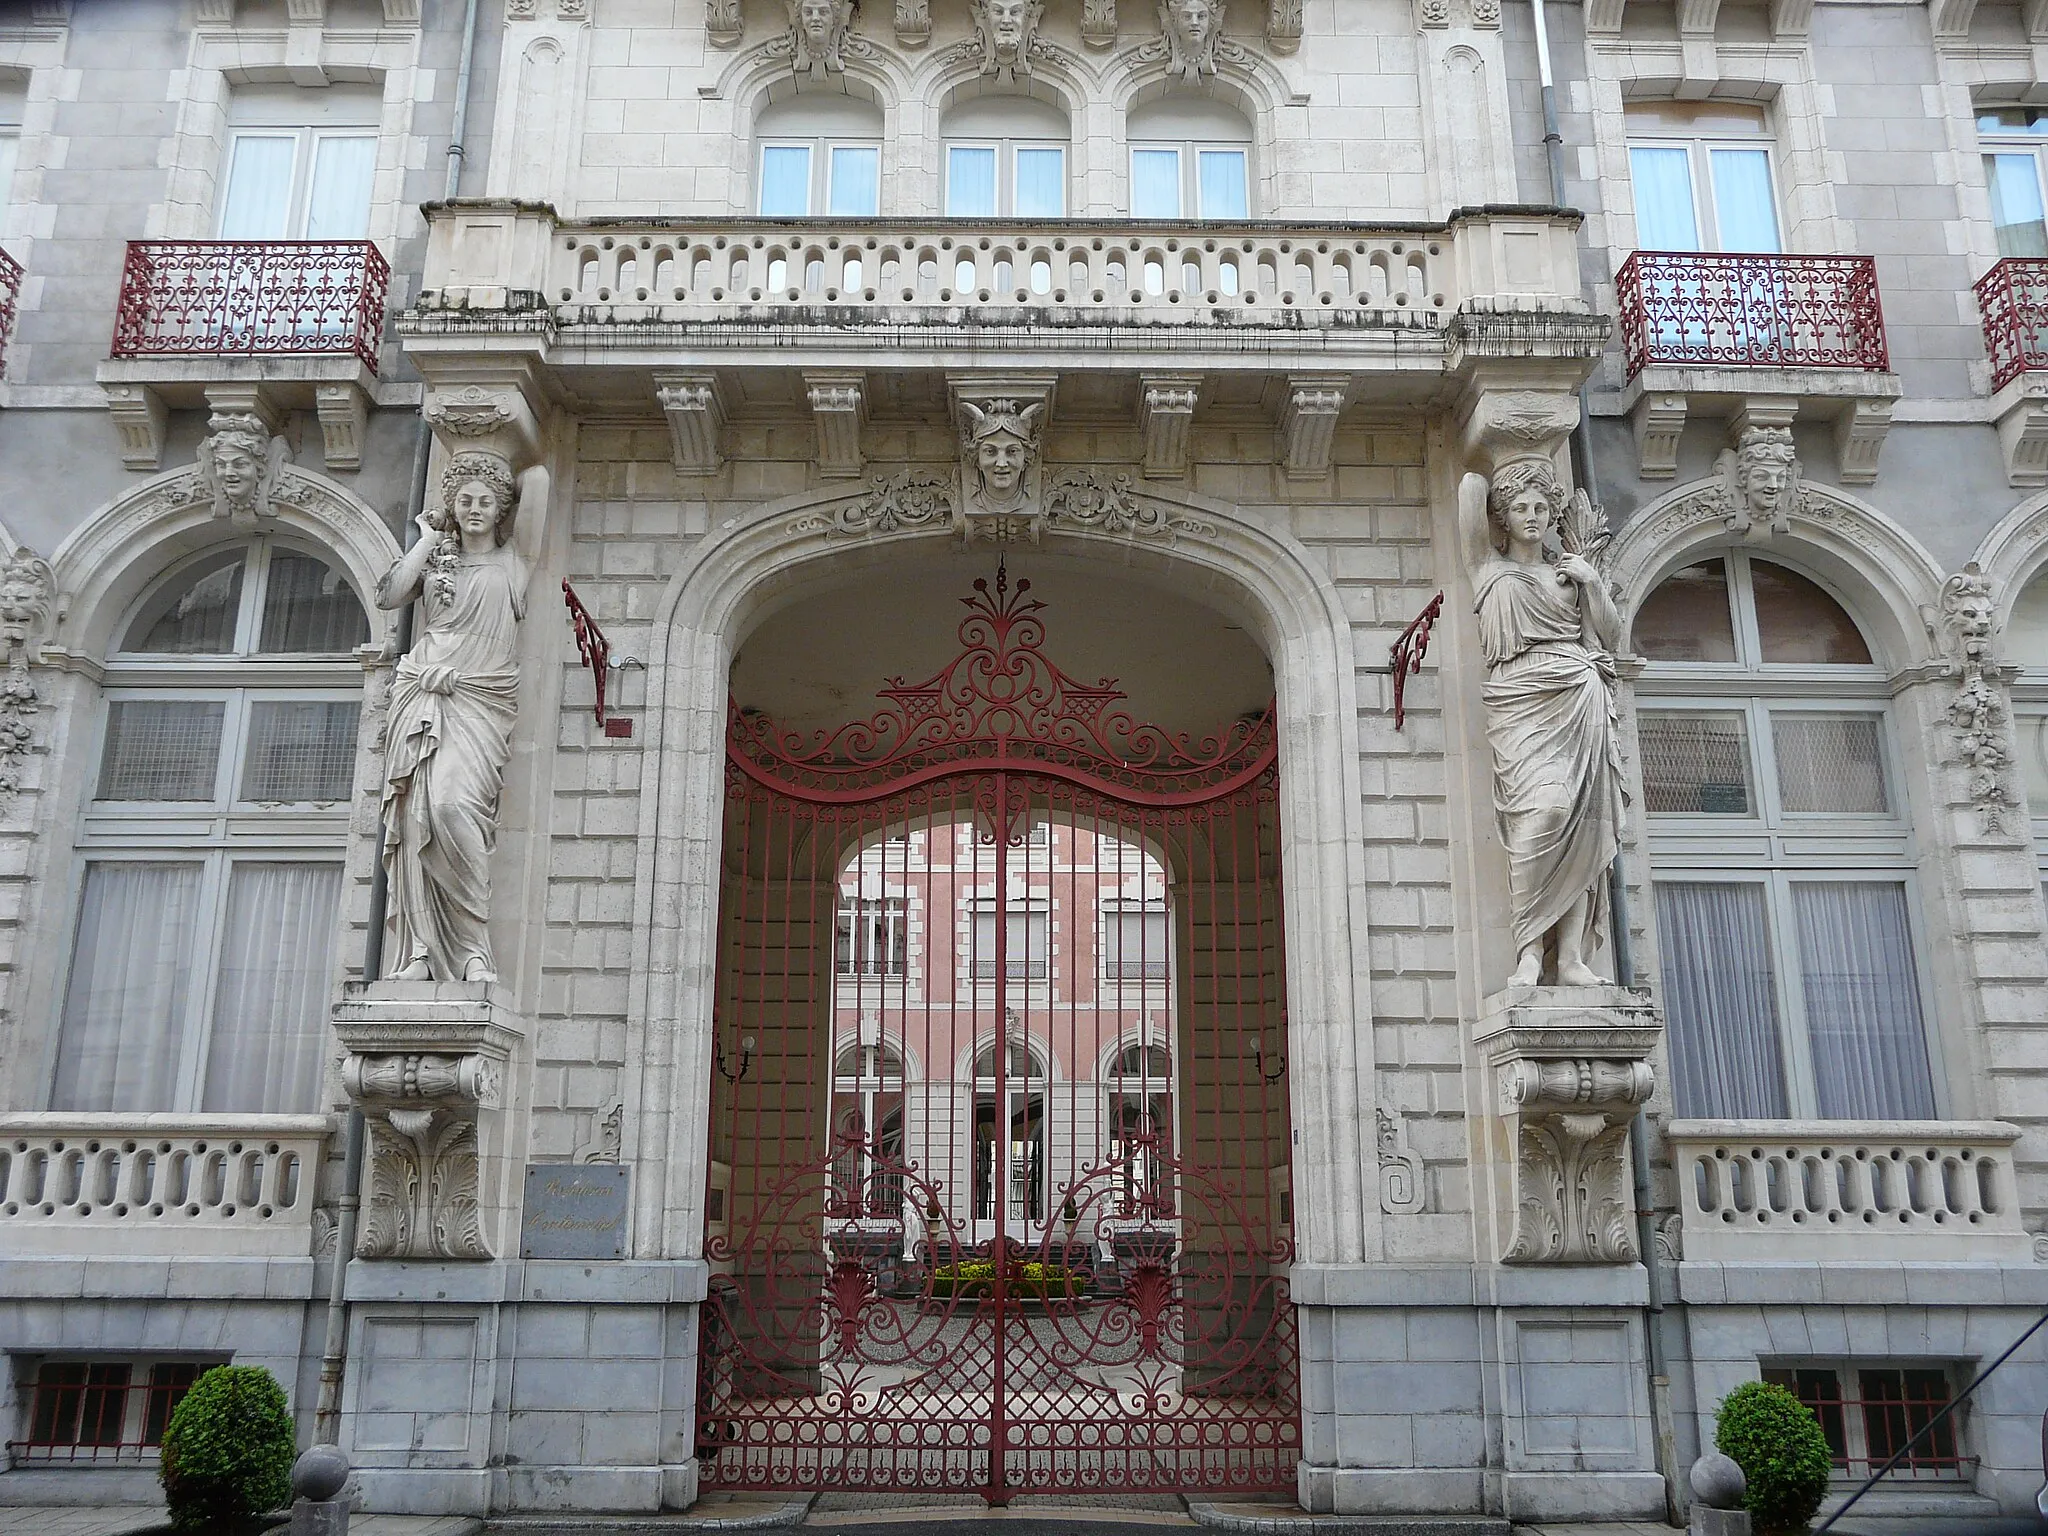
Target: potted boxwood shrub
{"x": 1778, "y": 1443}
{"x": 227, "y": 1452}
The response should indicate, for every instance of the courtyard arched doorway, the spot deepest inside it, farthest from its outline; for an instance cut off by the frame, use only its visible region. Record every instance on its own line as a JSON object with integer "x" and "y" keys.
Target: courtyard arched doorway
{"x": 1000, "y": 1190}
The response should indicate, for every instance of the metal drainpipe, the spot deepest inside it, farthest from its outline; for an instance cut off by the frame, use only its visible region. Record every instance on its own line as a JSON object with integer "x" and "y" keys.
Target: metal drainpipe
{"x": 334, "y": 1349}
{"x": 1617, "y": 891}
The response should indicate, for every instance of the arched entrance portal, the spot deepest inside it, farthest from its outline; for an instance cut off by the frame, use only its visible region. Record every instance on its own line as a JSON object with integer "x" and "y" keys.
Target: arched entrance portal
{"x": 1000, "y": 1196}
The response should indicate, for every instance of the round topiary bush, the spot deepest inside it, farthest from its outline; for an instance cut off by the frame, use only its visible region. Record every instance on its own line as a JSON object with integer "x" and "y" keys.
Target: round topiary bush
{"x": 1778, "y": 1443}
{"x": 227, "y": 1452}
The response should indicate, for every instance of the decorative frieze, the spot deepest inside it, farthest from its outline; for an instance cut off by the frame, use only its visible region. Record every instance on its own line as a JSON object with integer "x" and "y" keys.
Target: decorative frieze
{"x": 426, "y": 1064}
{"x": 1099, "y": 501}
{"x": 1570, "y": 1068}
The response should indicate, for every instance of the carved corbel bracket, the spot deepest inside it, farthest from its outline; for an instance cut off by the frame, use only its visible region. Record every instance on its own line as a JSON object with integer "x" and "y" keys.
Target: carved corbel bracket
{"x": 1166, "y": 418}
{"x": 1570, "y": 1069}
{"x": 839, "y": 407}
{"x": 1504, "y": 425}
{"x": 1308, "y": 422}
{"x": 695, "y": 408}
{"x": 344, "y": 411}
{"x": 139, "y": 415}
{"x": 427, "y": 1065}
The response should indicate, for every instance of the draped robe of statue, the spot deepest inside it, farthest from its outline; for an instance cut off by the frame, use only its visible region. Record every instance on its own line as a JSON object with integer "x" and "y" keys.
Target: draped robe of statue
{"x": 1551, "y": 722}
{"x": 453, "y": 702}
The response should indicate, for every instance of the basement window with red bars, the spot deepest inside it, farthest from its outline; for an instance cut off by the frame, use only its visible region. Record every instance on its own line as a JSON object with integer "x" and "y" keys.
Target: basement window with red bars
{"x": 1869, "y": 1412}
{"x": 101, "y": 1412}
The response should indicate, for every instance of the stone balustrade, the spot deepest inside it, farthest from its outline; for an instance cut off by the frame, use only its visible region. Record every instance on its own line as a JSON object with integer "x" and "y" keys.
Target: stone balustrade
{"x": 160, "y": 1185}
{"x": 1848, "y": 1189}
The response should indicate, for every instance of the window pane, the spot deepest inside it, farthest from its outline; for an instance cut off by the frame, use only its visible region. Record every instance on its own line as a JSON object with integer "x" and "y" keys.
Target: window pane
{"x": 1041, "y": 183}
{"x": 1745, "y": 214}
{"x": 194, "y": 613}
{"x": 338, "y": 207}
{"x": 1695, "y": 764}
{"x": 1720, "y": 1000}
{"x": 2026, "y": 628}
{"x": 1687, "y": 617}
{"x": 970, "y": 181}
{"x": 2033, "y": 735}
{"x": 786, "y": 180}
{"x": 1134, "y": 943}
{"x": 300, "y": 749}
{"x": 1797, "y": 622}
{"x": 161, "y": 749}
{"x": 1155, "y": 183}
{"x": 856, "y": 181}
{"x": 258, "y": 199}
{"x": 1662, "y": 176}
{"x": 1830, "y": 763}
{"x": 1222, "y": 176}
{"x": 270, "y": 1005}
{"x": 1862, "y": 1001}
{"x": 307, "y": 606}
{"x": 2016, "y": 214}
{"x": 117, "y": 1048}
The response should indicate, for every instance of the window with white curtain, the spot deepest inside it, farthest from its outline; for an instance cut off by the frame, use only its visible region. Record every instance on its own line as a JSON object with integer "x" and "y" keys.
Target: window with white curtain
{"x": 819, "y": 154}
{"x": 210, "y": 874}
{"x": 2012, "y": 139}
{"x": 2026, "y": 644}
{"x": 300, "y": 164}
{"x": 1781, "y": 855}
{"x": 1702, "y": 177}
{"x": 1006, "y": 156}
{"x": 1190, "y": 159}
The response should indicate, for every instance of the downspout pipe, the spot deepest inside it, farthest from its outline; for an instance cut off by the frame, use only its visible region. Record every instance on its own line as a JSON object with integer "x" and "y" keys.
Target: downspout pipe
{"x": 334, "y": 1348}
{"x": 1617, "y": 886}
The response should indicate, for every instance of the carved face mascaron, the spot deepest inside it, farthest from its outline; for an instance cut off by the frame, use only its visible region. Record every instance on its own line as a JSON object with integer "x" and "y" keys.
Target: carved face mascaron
{"x": 237, "y": 470}
{"x": 1193, "y": 20}
{"x": 1764, "y": 479}
{"x": 1000, "y": 458}
{"x": 816, "y": 18}
{"x": 1006, "y": 25}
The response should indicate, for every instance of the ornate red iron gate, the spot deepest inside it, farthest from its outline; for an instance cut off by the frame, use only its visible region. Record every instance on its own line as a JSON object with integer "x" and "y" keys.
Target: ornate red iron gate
{"x": 999, "y": 1194}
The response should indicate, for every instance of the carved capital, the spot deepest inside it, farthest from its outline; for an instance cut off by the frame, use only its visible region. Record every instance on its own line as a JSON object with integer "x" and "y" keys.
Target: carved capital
{"x": 1308, "y": 422}
{"x": 695, "y": 409}
{"x": 495, "y": 417}
{"x": 839, "y": 407}
{"x": 1166, "y": 418}
{"x": 724, "y": 24}
{"x": 1504, "y": 425}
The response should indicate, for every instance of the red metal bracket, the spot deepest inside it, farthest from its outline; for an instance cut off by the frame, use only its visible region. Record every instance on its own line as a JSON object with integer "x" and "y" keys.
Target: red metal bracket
{"x": 596, "y": 652}
{"x": 1408, "y": 650}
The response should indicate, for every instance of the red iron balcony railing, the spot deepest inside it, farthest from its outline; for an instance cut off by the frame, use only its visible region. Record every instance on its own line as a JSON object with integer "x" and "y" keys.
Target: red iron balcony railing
{"x": 2013, "y": 298}
{"x": 10, "y": 295}
{"x": 278, "y": 298}
{"x": 1699, "y": 310}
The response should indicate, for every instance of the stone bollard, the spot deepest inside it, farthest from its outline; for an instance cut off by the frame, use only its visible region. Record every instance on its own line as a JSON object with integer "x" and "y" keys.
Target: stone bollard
{"x": 318, "y": 1507}
{"x": 1717, "y": 1489}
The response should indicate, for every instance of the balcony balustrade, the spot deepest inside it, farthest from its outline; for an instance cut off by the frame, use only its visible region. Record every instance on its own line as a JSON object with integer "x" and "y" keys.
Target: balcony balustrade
{"x": 112, "y": 1185}
{"x": 1694, "y": 310}
{"x": 2013, "y": 299}
{"x": 10, "y": 297}
{"x": 243, "y": 298}
{"x": 1904, "y": 1190}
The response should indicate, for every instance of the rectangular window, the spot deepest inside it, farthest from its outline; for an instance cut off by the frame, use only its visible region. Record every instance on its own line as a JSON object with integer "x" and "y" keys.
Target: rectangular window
{"x": 873, "y": 937}
{"x": 13, "y": 106}
{"x": 300, "y": 750}
{"x": 1745, "y": 210}
{"x": 270, "y": 997}
{"x": 1134, "y": 941}
{"x": 1155, "y": 183}
{"x": 1869, "y": 1411}
{"x": 338, "y": 202}
{"x": 1862, "y": 1000}
{"x": 856, "y": 180}
{"x": 1830, "y": 764}
{"x": 1721, "y": 1000}
{"x": 258, "y": 200}
{"x": 2017, "y": 219}
{"x": 785, "y": 180}
{"x": 102, "y": 1412}
{"x": 1665, "y": 217}
{"x": 162, "y": 750}
{"x": 971, "y": 181}
{"x": 1222, "y": 184}
{"x": 1695, "y": 764}
{"x": 300, "y": 164}
{"x": 1041, "y": 183}
{"x": 1702, "y": 179}
{"x": 1027, "y": 954}
{"x": 131, "y": 979}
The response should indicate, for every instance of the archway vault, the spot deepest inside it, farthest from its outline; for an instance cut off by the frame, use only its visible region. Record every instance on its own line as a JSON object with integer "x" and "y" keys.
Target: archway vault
{"x": 787, "y": 552}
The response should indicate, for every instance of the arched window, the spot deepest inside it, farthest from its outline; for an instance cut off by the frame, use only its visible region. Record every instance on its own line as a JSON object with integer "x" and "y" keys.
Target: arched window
{"x": 867, "y": 1128}
{"x": 2026, "y": 643}
{"x": 1017, "y": 1128}
{"x": 204, "y": 946}
{"x": 1190, "y": 158}
{"x": 1006, "y": 156}
{"x": 819, "y": 154}
{"x": 1780, "y": 852}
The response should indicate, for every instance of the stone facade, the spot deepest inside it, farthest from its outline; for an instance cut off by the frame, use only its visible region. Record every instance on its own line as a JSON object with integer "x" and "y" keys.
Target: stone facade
{"x": 1256, "y": 402}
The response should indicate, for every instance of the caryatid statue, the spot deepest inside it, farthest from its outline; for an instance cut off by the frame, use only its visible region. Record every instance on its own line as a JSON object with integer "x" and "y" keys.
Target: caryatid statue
{"x": 454, "y": 698}
{"x": 1547, "y": 631}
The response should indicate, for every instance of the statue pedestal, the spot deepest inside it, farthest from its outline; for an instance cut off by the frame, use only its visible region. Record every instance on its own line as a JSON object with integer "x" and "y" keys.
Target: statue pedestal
{"x": 1569, "y": 1068}
{"x": 427, "y": 1065}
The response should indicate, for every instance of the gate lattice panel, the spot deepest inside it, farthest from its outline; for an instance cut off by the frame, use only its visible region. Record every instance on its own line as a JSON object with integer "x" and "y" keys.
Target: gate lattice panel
{"x": 1000, "y": 1196}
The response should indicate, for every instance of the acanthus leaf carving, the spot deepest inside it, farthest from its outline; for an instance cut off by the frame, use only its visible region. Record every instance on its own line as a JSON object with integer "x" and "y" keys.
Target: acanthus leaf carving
{"x": 903, "y": 500}
{"x": 424, "y": 1166}
{"x": 1570, "y": 1123}
{"x": 724, "y": 23}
